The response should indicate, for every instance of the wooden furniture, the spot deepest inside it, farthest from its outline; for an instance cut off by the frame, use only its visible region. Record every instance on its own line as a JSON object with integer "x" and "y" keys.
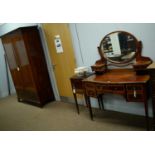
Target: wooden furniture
{"x": 120, "y": 49}
{"x": 118, "y": 81}
{"x": 27, "y": 64}
{"x": 77, "y": 88}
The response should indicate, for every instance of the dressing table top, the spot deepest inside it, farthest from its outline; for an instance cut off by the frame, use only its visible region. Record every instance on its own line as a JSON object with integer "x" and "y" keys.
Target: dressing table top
{"x": 116, "y": 76}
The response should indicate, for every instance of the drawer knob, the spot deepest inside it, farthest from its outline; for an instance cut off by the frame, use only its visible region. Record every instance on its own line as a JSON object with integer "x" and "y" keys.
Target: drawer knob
{"x": 134, "y": 93}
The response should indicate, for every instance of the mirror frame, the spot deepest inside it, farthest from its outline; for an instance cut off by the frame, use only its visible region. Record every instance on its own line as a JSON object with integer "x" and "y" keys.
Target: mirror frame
{"x": 115, "y": 62}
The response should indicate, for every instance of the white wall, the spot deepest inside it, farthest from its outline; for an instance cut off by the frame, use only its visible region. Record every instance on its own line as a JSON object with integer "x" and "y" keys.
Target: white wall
{"x": 86, "y": 39}
{"x": 5, "y": 28}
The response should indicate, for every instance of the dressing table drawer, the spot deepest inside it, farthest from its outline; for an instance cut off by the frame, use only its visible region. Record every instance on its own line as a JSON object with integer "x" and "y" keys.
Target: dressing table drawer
{"x": 77, "y": 83}
{"x": 117, "y": 88}
{"x": 110, "y": 88}
{"x": 100, "y": 88}
{"x": 91, "y": 93}
{"x": 135, "y": 92}
{"x": 131, "y": 97}
{"x": 90, "y": 89}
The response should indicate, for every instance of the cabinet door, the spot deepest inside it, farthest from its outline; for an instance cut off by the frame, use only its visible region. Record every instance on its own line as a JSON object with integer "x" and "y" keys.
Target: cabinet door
{"x": 13, "y": 65}
{"x": 25, "y": 68}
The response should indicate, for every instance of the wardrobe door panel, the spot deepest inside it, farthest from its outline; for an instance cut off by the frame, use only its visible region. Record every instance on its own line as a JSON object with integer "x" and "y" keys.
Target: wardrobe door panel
{"x": 14, "y": 68}
{"x": 10, "y": 56}
{"x": 22, "y": 52}
{"x": 25, "y": 69}
{"x": 38, "y": 63}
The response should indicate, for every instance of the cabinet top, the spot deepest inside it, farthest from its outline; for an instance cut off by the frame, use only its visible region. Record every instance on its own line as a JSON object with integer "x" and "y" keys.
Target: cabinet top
{"x": 20, "y": 28}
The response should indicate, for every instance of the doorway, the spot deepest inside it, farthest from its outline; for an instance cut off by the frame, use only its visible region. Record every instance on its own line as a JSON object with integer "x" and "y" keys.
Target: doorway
{"x": 64, "y": 62}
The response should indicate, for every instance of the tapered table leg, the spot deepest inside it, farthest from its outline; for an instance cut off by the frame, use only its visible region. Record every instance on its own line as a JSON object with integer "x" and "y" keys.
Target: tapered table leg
{"x": 85, "y": 99}
{"x": 89, "y": 106}
{"x": 77, "y": 106}
{"x": 153, "y": 109}
{"x": 146, "y": 115}
{"x": 99, "y": 102}
{"x": 101, "y": 99}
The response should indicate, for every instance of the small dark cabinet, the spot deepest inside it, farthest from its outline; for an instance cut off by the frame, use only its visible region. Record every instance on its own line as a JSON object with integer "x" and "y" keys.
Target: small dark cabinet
{"x": 27, "y": 64}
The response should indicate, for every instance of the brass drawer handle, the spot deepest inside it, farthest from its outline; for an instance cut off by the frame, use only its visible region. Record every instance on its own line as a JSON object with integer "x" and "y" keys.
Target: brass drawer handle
{"x": 134, "y": 92}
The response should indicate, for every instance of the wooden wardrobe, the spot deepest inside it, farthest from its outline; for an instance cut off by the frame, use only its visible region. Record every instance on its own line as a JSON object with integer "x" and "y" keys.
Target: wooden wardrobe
{"x": 27, "y": 64}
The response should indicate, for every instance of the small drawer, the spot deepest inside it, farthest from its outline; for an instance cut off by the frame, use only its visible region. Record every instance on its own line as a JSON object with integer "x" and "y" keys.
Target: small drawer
{"x": 90, "y": 89}
{"x": 91, "y": 93}
{"x": 131, "y": 97}
{"x": 135, "y": 92}
{"x": 100, "y": 88}
{"x": 77, "y": 84}
{"x": 90, "y": 85}
{"x": 117, "y": 88}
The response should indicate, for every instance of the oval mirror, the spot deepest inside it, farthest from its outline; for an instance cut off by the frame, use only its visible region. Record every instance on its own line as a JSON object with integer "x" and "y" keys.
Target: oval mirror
{"x": 119, "y": 47}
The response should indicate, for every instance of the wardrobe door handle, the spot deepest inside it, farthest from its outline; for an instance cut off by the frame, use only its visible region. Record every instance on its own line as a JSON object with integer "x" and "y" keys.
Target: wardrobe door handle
{"x": 53, "y": 66}
{"x": 18, "y": 69}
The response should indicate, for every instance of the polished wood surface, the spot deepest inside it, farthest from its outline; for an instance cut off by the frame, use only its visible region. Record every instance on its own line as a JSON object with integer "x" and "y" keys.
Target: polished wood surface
{"x": 38, "y": 64}
{"x": 8, "y": 43}
{"x": 28, "y": 66}
{"x": 118, "y": 76}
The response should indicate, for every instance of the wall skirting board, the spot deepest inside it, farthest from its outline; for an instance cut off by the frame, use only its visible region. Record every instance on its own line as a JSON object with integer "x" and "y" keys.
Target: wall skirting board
{"x": 81, "y": 100}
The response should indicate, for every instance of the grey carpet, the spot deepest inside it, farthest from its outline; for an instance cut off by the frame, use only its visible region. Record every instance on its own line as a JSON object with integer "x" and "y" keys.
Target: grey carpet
{"x": 59, "y": 116}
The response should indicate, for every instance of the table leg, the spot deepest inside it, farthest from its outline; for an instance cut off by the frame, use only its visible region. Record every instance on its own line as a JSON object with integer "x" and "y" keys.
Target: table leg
{"x": 86, "y": 100}
{"x": 146, "y": 115}
{"x": 99, "y": 102}
{"x": 101, "y": 99}
{"x": 89, "y": 106}
{"x": 153, "y": 109}
{"x": 77, "y": 106}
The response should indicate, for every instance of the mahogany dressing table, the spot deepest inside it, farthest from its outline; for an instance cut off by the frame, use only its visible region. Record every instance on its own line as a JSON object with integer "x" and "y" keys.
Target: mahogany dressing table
{"x": 120, "y": 70}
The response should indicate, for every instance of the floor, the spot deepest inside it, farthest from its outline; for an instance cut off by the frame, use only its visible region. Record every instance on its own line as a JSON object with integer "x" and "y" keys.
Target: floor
{"x": 59, "y": 116}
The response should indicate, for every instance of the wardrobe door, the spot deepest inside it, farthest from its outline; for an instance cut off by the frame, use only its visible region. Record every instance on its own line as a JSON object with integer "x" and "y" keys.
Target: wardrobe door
{"x": 30, "y": 91}
{"x": 13, "y": 65}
